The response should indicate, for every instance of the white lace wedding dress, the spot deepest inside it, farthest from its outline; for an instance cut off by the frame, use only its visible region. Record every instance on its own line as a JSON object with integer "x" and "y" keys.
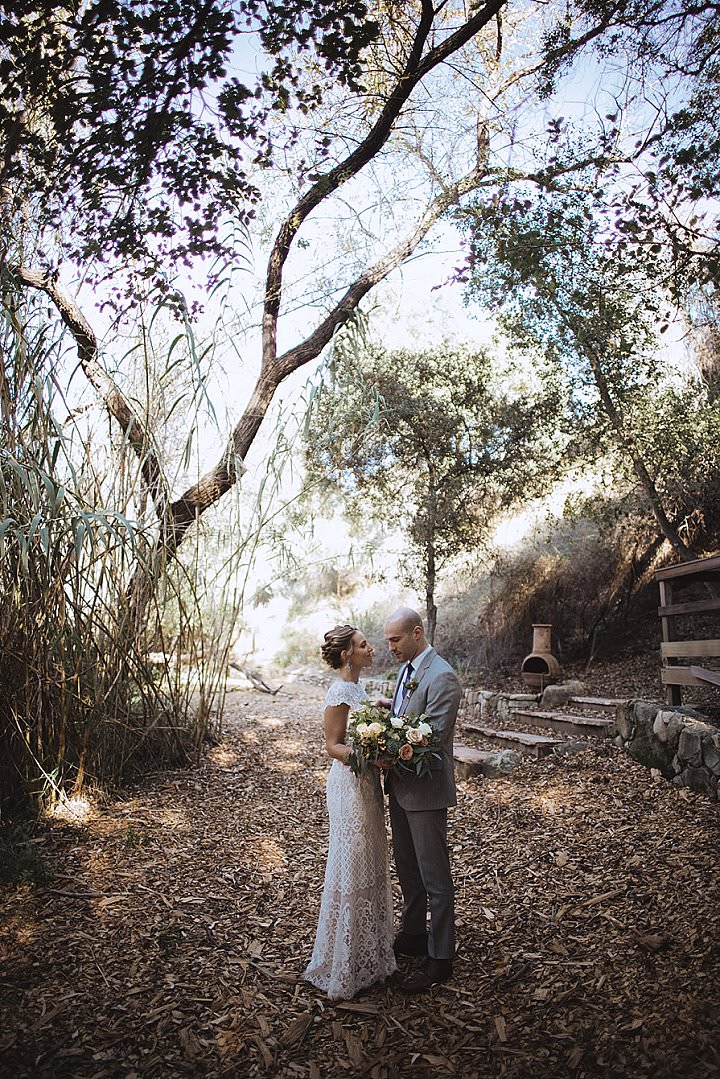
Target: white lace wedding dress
{"x": 353, "y": 943}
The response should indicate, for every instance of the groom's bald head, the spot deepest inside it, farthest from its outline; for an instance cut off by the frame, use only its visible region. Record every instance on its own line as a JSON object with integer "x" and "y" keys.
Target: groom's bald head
{"x": 406, "y": 618}
{"x": 405, "y": 634}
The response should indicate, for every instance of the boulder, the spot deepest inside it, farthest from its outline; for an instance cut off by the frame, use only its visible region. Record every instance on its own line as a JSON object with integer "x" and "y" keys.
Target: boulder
{"x": 690, "y": 743}
{"x": 625, "y": 722}
{"x": 645, "y": 711}
{"x": 644, "y": 745}
{"x": 711, "y": 753}
{"x": 488, "y": 703}
{"x": 499, "y": 764}
{"x": 559, "y": 695}
{"x": 667, "y": 727}
{"x": 698, "y": 779}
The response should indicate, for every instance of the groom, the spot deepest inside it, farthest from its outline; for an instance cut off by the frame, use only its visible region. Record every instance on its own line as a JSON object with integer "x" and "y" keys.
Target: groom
{"x": 418, "y": 806}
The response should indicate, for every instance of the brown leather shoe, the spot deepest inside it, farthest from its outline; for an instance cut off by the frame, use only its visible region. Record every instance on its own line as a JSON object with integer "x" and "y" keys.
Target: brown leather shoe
{"x": 432, "y": 972}
{"x": 410, "y": 944}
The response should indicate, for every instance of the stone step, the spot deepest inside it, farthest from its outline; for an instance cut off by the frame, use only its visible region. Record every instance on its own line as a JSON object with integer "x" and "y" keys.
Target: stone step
{"x": 610, "y": 703}
{"x": 468, "y": 761}
{"x": 564, "y": 723}
{"x": 530, "y": 745}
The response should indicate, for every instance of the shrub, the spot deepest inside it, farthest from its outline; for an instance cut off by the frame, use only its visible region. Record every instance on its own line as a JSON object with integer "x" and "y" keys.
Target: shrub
{"x": 592, "y": 584}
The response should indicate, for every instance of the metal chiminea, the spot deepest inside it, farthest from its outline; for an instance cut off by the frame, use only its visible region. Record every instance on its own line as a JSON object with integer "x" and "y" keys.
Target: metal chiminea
{"x": 540, "y": 668}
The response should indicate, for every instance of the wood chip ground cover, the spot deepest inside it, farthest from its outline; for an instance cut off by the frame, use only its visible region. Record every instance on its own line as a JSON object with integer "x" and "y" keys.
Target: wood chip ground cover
{"x": 173, "y": 937}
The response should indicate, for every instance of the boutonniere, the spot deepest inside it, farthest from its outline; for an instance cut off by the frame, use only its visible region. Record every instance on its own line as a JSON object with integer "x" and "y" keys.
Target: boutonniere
{"x": 412, "y": 686}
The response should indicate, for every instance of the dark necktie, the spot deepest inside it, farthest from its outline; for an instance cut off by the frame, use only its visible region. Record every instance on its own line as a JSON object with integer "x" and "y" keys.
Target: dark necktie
{"x": 407, "y": 680}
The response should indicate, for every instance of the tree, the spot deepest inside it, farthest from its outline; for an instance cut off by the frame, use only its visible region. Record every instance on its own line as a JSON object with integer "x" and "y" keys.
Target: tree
{"x": 593, "y": 269}
{"x": 428, "y": 43}
{"x": 126, "y": 137}
{"x": 388, "y": 85}
{"x": 663, "y": 57}
{"x": 133, "y": 146}
{"x": 560, "y": 285}
{"x": 429, "y": 441}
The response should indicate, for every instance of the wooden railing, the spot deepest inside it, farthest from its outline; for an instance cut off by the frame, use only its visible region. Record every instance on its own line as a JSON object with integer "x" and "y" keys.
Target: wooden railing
{"x": 703, "y": 572}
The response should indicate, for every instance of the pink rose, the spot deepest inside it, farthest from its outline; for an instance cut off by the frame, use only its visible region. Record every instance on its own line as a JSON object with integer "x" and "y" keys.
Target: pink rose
{"x": 405, "y": 752}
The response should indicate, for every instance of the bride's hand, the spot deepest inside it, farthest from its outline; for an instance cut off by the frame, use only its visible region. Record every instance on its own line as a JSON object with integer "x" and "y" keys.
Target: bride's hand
{"x": 383, "y": 702}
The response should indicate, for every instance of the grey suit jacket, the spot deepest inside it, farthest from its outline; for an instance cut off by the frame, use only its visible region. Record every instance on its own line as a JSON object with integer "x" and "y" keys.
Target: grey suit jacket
{"x": 438, "y": 696}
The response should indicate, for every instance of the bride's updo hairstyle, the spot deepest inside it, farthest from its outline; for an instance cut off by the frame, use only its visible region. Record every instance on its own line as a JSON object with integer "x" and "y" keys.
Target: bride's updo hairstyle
{"x": 337, "y": 641}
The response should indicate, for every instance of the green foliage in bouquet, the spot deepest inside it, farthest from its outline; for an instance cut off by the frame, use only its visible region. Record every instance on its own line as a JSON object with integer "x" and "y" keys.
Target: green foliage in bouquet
{"x": 408, "y": 744}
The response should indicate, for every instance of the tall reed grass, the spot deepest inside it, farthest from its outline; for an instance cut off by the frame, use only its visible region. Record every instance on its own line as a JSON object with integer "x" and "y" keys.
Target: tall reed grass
{"x": 86, "y": 695}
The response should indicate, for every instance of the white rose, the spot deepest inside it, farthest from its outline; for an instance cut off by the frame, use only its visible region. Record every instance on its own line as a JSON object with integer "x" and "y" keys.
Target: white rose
{"x": 361, "y": 729}
{"x": 375, "y": 728}
{"x": 425, "y": 729}
{"x": 397, "y": 722}
{"x": 414, "y": 736}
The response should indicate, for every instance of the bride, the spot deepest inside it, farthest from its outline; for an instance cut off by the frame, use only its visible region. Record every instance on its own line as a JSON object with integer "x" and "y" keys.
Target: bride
{"x": 354, "y": 939}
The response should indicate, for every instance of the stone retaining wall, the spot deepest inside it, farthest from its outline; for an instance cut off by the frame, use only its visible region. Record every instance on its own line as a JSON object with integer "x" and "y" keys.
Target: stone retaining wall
{"x": 681, "y": 743}
{"x": 487, "y": 704}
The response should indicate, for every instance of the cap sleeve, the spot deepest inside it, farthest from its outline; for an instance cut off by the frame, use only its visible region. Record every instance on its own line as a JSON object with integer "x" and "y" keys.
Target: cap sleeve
{"x": 341, "y": 692}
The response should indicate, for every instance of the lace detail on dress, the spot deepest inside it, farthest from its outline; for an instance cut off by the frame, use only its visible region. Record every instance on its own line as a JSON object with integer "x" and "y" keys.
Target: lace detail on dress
{"x": 350, "y": 693}
{"x": 353, "y": 944}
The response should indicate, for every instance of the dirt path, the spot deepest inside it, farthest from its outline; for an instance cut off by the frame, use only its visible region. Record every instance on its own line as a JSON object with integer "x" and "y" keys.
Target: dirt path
{"x": 172, "y": 940}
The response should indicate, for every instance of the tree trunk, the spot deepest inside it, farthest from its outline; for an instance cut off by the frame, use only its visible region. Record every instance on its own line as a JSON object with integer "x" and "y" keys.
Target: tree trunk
{"x": 431, "y": 615}
{"x": 430, "y": 560}
{"x": 627, "y": 442}
{"x": 430, "y": 580}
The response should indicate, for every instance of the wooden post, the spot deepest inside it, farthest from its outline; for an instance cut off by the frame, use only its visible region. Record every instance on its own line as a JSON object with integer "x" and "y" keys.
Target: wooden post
{"x": 673, "y": 694}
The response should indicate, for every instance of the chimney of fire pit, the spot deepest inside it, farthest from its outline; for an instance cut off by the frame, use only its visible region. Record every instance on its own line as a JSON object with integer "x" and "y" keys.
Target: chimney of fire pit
{"x": 540, "y": 668}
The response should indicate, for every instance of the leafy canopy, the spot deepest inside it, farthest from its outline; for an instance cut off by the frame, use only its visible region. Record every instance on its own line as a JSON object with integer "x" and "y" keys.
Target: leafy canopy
{"x": 661, "y": 58}
{"x": 552, "y": 269}
{"x": 428, "y": 440}
{"x": 126, "y": 134}
{"x": 563, "y": 284}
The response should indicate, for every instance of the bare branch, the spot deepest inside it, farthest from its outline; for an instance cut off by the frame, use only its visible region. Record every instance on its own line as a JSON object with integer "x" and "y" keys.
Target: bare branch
{"x": 416, "y": 68}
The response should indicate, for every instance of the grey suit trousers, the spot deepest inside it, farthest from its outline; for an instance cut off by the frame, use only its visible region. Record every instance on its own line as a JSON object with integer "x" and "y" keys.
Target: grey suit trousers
{"x": 423, "y": 867}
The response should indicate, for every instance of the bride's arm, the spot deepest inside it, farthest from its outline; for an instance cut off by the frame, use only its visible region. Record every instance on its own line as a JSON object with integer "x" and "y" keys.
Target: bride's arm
{"x": 335, "y": 726}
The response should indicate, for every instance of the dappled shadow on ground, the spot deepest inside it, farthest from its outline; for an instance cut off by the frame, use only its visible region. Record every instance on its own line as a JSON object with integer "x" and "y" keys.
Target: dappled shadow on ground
{"x": 172, "y": 940}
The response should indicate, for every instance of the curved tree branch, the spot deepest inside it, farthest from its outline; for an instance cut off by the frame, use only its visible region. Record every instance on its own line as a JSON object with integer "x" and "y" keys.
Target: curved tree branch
{"x": 220, "y": 478}
{"x": 112, "y": 397}
{"x": 415, "y": 70}
{"x": 177, "y": 517}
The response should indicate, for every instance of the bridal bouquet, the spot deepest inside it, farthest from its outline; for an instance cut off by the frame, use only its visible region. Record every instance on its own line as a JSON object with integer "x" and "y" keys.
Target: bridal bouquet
{"x": 406, "y": 743}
